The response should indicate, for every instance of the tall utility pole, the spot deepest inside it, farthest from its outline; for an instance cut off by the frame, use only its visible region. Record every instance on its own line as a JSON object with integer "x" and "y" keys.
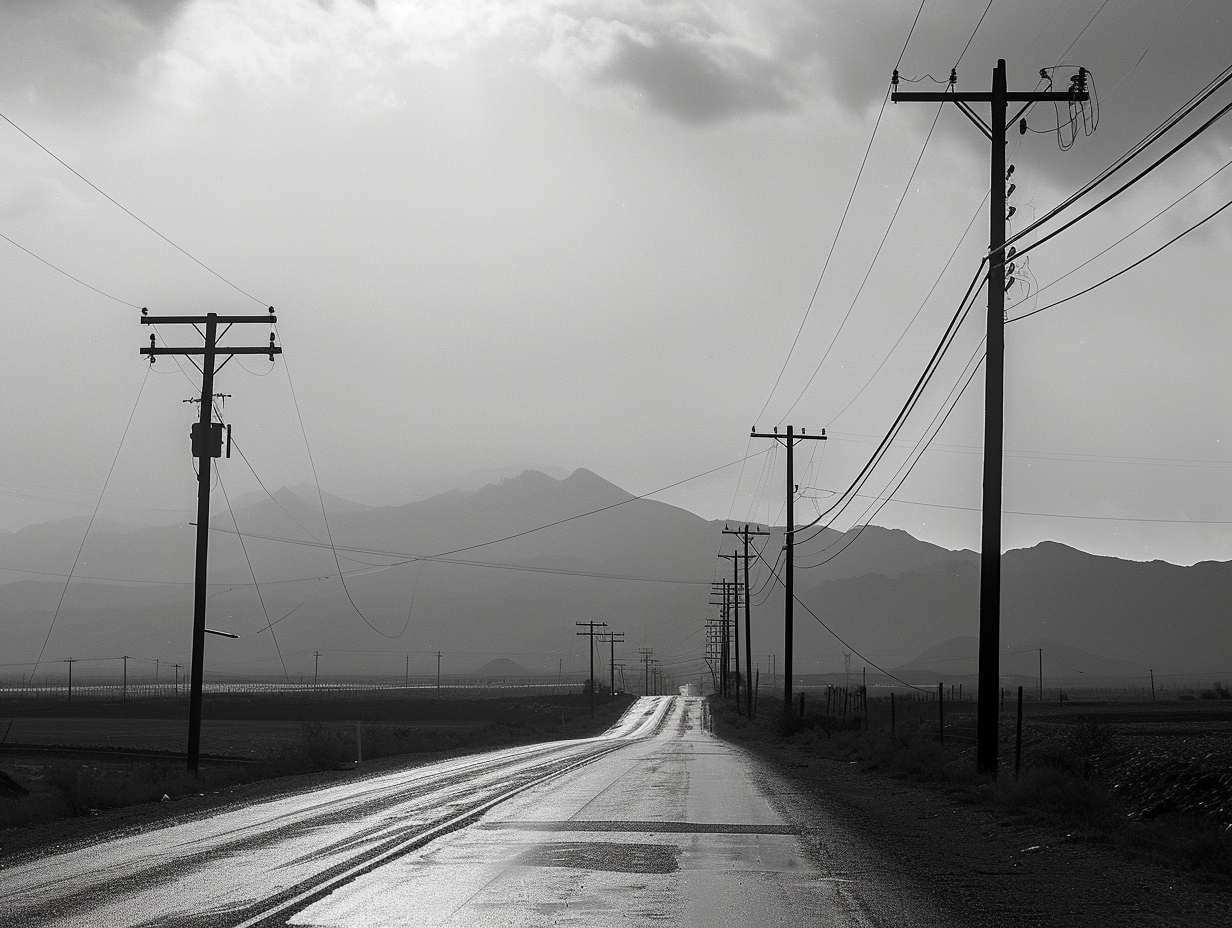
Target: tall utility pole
{"x": 70, "y": 661}
{"x": 724, "y": 643}
{"x": 645, "y": 653}
{"x": 316, "y": 665}
{"x": 438, "y": 675}
{"x": 745, "y": 533}
{"x": 611, "y": 638}
{"x": 788, "y": 441}
{"x": 207, "y": 445}
{"x": 590, "y": 633}
{"x": 124, "y": 685}
{"x": 735, "y": 620}
{"x": 994, "y": 375}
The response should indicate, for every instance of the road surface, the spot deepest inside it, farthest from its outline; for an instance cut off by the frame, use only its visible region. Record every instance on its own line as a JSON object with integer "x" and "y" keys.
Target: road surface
{"x": 655, "y": 822}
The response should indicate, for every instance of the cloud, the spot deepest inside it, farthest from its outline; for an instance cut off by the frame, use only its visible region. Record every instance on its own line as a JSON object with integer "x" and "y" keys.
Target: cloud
{"x": 80, "y": 55}
{"x": 695, "y": 63}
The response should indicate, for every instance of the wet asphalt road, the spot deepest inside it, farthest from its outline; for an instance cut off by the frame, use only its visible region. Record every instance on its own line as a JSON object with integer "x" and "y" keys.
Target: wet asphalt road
{"x": 656, "y": 822}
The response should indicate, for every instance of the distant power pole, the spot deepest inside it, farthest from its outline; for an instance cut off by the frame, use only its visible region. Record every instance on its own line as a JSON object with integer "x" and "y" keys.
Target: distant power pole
{"x": 438, "y": 675}
{"x": 316, "y": 666}
{"x": 611, "y": 638}
{"x": 788, "y": 441}
{"x": 207, "y": 445}
{"x": 994, "y": 373}
{"x": 124, "y": 685}
{"x": 70, "y": 661}
{"x": 735, "y": 620}
{"x": 720, "y": 587}
{"x": 590, "y": 633}
{"x": 745, "y": 533}
{"x": 645, "y": 653}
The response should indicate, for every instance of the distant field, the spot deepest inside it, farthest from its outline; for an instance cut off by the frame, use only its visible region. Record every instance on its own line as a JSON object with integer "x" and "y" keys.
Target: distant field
{"x": 237, "y": 738}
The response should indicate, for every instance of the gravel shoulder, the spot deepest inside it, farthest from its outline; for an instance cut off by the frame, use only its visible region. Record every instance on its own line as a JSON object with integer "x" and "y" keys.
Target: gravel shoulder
{"x": 966, "y": 865}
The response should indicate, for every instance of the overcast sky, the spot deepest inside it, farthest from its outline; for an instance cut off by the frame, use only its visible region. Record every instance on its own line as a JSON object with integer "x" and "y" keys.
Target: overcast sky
{"x": 586, "y": 234}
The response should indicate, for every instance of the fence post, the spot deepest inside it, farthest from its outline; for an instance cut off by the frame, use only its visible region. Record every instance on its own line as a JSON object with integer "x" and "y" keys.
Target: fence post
{"x": 1018, "y": 736}
{"x": 941, "y": 712}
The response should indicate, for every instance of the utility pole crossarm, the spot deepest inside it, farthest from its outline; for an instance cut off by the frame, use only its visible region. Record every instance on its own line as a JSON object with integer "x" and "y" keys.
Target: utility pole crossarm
{"x": 220, "y": 349}
{"x": 1022, "y": 96}
{"x": 202, "y": 320}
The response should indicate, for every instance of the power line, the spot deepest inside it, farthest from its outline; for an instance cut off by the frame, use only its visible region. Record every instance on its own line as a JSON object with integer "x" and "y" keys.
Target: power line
{"x": 833, "y": 244}
{"x": 61, "y": 270}
{"x": 868, "y": 273}
{"x": 86, "y": 534}
{"x": 1124, "y": 270}
{"x": 117, "y": 203}
{"x": 1153, "y": 136}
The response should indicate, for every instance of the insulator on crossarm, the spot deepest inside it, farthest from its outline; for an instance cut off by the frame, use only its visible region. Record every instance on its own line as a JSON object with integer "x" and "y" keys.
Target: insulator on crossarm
{"x": 1022, "y": 126}
{"x": 1009, "y": 282}
{"x": 953, "y": 76}
{"x": 894, "y": 78}
{"x": 1012, "y": 210}
{"x": 1009, "y": 191}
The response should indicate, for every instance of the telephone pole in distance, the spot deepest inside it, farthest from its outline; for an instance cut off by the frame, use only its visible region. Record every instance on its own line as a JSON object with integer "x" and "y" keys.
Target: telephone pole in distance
{"x": 788, "y": 441}
{"x": 590, "y": 633}
{"x": 746, "y": 534}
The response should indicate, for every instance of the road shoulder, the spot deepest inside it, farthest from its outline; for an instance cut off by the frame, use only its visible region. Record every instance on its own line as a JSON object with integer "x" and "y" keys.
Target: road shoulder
{"x": 965, "y": 864}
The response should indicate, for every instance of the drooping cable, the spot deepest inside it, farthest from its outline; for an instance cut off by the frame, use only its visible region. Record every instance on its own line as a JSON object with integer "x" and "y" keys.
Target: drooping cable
{"x": 868, "y": 273}
{"x": 86, "y": 534}
{"x": 1125, "y": 270}
{"x": 60, "y": 270}
{"x": 121, "y": 206}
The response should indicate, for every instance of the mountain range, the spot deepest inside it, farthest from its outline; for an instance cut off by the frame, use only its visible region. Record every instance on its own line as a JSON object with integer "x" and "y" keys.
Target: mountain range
{"x": 434, "y": 575}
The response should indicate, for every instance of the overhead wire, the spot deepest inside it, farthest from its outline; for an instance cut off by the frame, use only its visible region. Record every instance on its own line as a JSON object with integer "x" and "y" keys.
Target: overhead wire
{"x": 125, "y": 209}
{"x": 1153, "y": 136}
{"x": 960, "y": 314}
{"x": 1136, "y": 229}
{"x": 842, "y": 220}
{"x": 837, "y": 637}
{"x": 868, "y": 273}
{"x": 60, "y": 270}
{"x": 1124, "y": 270}
{"x": 90, "y": 524}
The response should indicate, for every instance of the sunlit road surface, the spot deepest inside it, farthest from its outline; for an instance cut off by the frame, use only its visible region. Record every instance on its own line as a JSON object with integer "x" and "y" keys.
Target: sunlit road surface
{"x": 656, "y": 822}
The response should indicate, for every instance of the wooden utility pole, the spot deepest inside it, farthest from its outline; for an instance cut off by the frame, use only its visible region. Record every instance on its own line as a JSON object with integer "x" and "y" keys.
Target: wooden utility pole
{"x": 207, "y": 445}
{"x": 994, "y": 374}
{"x": 645, "y": 653}
{"x": 720, "y": 587}
{"x": 590, "y": 633}
{"x": 735, "y": 621}
{"x": 745, "y": 533}
{"x": 611, "y": 638}
{"x": 788, "y": 441}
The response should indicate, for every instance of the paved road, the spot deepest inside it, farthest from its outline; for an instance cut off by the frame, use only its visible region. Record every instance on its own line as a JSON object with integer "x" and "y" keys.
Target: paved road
{"x": 656, "y": 822}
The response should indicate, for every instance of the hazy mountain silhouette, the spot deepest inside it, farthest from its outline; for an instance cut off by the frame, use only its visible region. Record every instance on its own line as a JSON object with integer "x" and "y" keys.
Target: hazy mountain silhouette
{"x": 642, "y": 566}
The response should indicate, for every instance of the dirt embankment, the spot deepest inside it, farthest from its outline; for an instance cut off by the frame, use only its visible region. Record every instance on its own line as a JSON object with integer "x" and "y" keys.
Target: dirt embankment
{"x": 965, "y": 859}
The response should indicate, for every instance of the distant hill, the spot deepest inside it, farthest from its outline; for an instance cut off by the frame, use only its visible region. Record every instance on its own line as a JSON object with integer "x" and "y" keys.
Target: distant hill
{"x": 504, "y": 570}
{"x": 502, "y": 667}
